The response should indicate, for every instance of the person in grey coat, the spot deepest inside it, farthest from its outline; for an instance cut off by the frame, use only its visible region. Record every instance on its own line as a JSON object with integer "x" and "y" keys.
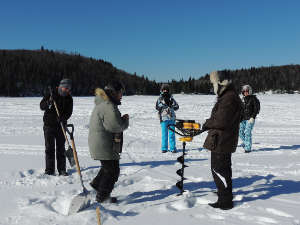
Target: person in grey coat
{"x": 105, "y": 138}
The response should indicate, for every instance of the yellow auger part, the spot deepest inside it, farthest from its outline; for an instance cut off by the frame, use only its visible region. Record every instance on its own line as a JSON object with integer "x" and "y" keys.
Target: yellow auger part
{"x": 186, "y": 139}
{"x": 190, "y": 126}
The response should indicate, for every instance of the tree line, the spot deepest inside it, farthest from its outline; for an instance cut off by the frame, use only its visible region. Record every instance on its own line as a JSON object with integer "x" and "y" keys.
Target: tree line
{"x": 29, "y": 72}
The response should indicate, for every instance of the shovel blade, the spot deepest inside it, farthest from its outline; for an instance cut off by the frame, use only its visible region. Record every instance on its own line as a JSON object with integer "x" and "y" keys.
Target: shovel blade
{"x": 70, "y": 157}
{"x": 79, "y": 202}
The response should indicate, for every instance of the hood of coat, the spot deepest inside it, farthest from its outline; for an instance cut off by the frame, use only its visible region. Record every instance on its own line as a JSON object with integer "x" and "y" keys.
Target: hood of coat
{"x": 220, "y": 81}
{"x": 100, "y": 96}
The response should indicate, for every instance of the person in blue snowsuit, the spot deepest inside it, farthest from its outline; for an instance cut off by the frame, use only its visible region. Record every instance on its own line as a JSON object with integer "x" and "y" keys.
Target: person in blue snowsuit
{"x": 166, "y": 106}
{"x": 251, "y": 107}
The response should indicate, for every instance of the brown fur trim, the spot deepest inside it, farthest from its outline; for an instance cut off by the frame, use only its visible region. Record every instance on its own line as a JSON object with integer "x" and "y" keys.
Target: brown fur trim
{"x": 214, "y": 77}
{"x": 101, "y": 92}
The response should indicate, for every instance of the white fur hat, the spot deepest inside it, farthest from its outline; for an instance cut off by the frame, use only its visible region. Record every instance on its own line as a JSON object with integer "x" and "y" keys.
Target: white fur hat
{"x": 248, "y": 88}
{"x": 219, "y": 78}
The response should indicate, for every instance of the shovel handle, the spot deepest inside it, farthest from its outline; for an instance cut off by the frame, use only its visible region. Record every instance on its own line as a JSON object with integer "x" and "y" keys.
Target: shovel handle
{"x": 76, "y": 157}
{"x": 98, "y": 215}
{"x": 75, "y": 153}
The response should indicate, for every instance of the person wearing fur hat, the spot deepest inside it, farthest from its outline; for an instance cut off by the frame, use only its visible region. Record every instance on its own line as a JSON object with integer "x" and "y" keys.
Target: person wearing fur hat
{"x": 166, "y": 107}
{"x": 53, "y": 133}
{"x": 222, "y": 138}
{"x": 105, "y": 138}
{"x": 251, "y": 107}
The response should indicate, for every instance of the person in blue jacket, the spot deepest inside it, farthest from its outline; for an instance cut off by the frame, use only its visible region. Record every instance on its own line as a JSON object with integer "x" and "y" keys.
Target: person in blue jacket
{"x": 166, "y": 106}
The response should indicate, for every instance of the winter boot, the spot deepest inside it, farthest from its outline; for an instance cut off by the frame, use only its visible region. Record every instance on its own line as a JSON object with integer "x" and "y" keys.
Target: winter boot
{"x": 50, "y": 172}
{"x": 63, "y": 173}
{"x": 222, "y": 205}
{"x": 104, "y": 198}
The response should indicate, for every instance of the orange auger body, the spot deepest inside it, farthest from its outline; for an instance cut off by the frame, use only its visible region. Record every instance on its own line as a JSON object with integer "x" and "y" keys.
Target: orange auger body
{"x": 187, "y": 129}
{"x": 194, "y": 126}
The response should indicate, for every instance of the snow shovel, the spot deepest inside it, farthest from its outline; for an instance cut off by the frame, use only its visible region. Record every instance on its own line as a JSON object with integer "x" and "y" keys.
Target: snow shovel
{"x": 69, "y": 151}
{"x": 82, "y": 200}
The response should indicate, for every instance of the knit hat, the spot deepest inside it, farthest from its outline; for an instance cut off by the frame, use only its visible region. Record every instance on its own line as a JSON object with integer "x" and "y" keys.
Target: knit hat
{"x": 66, "y": 83}
{"x": 165, "y": 87}
{"x": 112, "y": 89}
{"x": 115, "y": 87}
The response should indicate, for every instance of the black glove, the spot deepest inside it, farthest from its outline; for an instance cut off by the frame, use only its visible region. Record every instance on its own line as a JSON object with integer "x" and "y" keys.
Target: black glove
{"x": 204, "y": 127}
{"x": 46, "y": 93}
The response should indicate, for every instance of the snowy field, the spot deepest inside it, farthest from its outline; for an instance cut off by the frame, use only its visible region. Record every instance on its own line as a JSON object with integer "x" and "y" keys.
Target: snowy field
{"x": 266, "y": 182}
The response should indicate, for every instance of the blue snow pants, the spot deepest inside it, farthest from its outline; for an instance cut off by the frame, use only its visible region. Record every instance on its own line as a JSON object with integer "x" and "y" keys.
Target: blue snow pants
{"x": 165, "y": 132}
{"x": 245, "y": 134}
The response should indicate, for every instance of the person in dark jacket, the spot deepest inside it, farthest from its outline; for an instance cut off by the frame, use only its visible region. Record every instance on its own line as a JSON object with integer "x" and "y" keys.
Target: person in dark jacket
{"x": 251, "y": 107}
{"x": 222, "y": 138}
{"x": 105, "y": 138}
{"x": 166, "y": 107}
{"x": 53, "y": 134}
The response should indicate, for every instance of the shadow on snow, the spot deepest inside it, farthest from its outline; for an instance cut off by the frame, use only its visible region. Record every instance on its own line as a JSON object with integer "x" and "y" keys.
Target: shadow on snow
{"x": 269, "y": 188}
{"x": 284, "y": 147}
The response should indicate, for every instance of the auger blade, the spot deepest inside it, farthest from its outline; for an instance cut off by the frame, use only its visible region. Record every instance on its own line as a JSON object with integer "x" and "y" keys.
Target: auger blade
{"x": 180, "y": 172}
{"x": 179, "y": 185}
{"x": 180, "y": 159}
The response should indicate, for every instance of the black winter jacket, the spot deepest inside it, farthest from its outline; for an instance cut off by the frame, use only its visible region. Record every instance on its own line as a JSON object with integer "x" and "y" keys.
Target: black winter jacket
{"x": 250, "y": 107}
{"x": 64, "y": 105}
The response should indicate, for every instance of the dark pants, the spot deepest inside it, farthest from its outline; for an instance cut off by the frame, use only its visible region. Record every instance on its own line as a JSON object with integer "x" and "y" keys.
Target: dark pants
{"x": 222, "y": 173}
{"x": 54, "y": 136}
{"x": 107, "y": 177}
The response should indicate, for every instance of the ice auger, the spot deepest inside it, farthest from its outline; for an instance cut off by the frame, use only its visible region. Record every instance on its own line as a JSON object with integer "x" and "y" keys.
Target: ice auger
{"x": 187, "y": 129}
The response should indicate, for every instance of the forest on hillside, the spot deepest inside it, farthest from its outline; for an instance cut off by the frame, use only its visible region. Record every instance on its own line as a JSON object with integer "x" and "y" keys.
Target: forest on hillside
{"x": 29, "y": 72}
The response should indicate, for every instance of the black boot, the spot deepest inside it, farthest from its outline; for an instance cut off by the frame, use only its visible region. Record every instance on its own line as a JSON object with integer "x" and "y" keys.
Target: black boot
{"x": 104, "y": 198}
{"x": 50, "y": 172}
{"x": 222, "y": 205}
{"x": 63, "y": 173}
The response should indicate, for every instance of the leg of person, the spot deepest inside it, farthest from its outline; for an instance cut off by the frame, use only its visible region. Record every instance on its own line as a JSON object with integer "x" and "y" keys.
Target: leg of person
{"x": 222, "y": 173}
{"x": 95, "y": 183}
{"x": 172, "y": 140}
{"x": 109, "y": 174}
{"x": 164, "y": 136}
{"x": 242, "y": 132}
{"x": 49, "y": 150}
{"x": 60, "y": 152}
{"x": 248, "y": 136}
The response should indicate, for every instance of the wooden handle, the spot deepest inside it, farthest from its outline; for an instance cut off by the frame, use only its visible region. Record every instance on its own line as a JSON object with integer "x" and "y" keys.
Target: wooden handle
{"x": 76, "y": 158}
{"x": 98, "y": 215}
{"x": 61, "y": 124}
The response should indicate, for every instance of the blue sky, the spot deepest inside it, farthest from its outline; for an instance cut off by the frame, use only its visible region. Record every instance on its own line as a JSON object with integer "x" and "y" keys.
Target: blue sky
{"x": 162, "y": 40}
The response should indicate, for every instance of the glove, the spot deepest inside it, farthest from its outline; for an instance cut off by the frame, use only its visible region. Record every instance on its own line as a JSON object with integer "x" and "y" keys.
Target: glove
{"x": 251, "y": 120}
{"x": 204, "y": 127}
{"x": 169, "y": 111}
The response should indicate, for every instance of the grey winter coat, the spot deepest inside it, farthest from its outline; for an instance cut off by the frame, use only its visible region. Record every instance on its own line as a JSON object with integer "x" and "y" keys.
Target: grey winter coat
{"x": 105, "y": 127}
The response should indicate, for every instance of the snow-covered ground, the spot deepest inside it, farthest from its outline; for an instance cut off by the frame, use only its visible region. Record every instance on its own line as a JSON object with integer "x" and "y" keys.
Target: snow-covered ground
{"x": 266, "y": 182}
